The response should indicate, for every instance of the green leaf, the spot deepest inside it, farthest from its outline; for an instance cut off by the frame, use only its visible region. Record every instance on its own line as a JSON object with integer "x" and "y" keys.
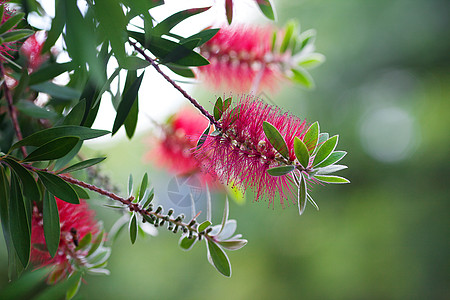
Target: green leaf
{"x": 54, "y": 149}
{"x": 50, "y": 71}
{"x": 325, "y": 150}
{"x": 167, "y": 24}
{"x": 266, "y": 8}
{"x": 219, "y": 259}
{"x": 51, "y": 223}
{"x": 32, "y": 110}
{"x": 311, "y": 137}
{"x": 182, "y": 50}
{"x": 130, "y": 185}
{"x": 30, "y": 188}
{"x": 203, "y": 138}
{"x": 229, "y": 10}
{"x": 226, "y": 211}
{"x": 186, "y": 243}
{"x": 44, "y": 136}
{"x": 218, "y": 109}
{"x": 18, "y": 221}
{"x": 11, "y": 22}
{"x": 126, "y": 104}
{"x": 132, "y": 119}
{"x": 333, "y": 158}
{"x": 227, "y": 103}
{"x": 203, "y": 36}
{"x": 56, "y": 29}
{"x": 134, "y": 63}
{"x": 143, "y": 186}
{"x": 16, "y": 35}
{"x": 185, "y": 72}
{"x": 84, "y": 242}
{"x": 81, "y": 193}
{"x": 312, "y": 60}
{"x": 74, "y": 287}
{"x": 301, "y": 152}
{"x": 290, "y": 28}
{"x": 96, "y": 243}
{"x": 133, "y": 227}
{"x": 4, "y": 219}
{"x": 58, "y": 187}
{"x": 233, "y": 244}
{"x": 203, "y": 226}
{"x": 322, "y": 138}
{"x": 330, "y": 169}
{"x": 332, "y": 179}
{"x": 302, "y": 77}
{"x": 63, "y": 161}
{"x": 302, "y": 195}
{"x": 56, "y": 91}
{"x": 276, "y": 139}
{"x": 76, "y": 114}
{"x": 280, "y": 171}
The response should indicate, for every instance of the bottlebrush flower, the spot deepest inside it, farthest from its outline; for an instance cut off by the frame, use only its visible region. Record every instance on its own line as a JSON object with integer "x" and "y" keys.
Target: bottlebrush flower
{"x": 76, "y": 221}
{"x": 32, "y": 48}
{"x": 239, "y": 56}
{"x": 174, "y": 149}
{"x": 242, "y": 153}
{"x": 249, "y": 59}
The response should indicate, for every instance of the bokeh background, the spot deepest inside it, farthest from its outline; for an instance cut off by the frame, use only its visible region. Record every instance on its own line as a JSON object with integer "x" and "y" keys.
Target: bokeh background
{"x": 385, "y": 88}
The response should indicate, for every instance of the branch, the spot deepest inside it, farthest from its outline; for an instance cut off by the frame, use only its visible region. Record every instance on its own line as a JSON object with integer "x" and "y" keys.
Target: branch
{"x": 12, "y": 110}
{"x": 183, "y": 92}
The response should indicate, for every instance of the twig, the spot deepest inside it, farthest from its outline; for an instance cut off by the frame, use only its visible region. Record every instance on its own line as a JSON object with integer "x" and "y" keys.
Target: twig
{"x": 12, "y": 110}
{"x": 183, "y": 92}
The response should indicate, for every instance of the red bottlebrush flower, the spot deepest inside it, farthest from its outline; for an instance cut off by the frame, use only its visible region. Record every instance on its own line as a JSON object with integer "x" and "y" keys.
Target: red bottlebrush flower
{"x": 174, "y": 149}
{"x": 6, "y": 48}
{"x": 242, "y": 153}
{"x": 76, "y": 220}
{"x": 241, "y": 59}
{"x": 32, "y": 48}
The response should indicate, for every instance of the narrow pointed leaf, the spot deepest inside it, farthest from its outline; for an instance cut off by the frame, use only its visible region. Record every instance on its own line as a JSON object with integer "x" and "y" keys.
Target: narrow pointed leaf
{"x": 330, "y": 169}
{"x": 203, "y": 138}
{"x": 187, "y": 244}
{"x": 218, "y": 109}
{"x": 227, "y": 103}
{"x": 333, "y": 158}
{"x": 31, "y": 190}
{"x": 331, "y": 179}
{"x": 44, "y": 136}
{"x": 11, "y": 22}
{"x": 325, "y": 150}
{"x": 311, "y": 200}
{"x": 229, "y": 10}
{"x": 323, "y": 137}
{"x": 143, "y": 186}
{"x": 51, "y": 223}
{"x": 167, "y": 24}
{"x": 233, "y": 244}
{"x": 75, "y": 116}
{"x": 18, "y": 221}
{"x": 276, "y": 139}
{"x": 83, "y": 164}
{"x": 311, "y": 137}
{"x": 302, "y": 77}
{"x": 219, "y": 259}
{"x": 54, "y": 149}
{"x": 301, "y": 152}
{"x": 130, "y": 185}
{"x": 84, "y": 242}
{"x": 203, "y": 226}
{"x": 226, "y": 211}
{"x": 302, "y": 194}
{"x": 59, "y": 187}
{"x": 133, "y": 227}
{"x": 266, "y": 8}
{"x": 280, "y": 171}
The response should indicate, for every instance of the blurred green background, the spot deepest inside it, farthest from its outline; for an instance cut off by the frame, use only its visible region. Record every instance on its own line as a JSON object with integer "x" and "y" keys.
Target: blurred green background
{"x": 385, "y": 88}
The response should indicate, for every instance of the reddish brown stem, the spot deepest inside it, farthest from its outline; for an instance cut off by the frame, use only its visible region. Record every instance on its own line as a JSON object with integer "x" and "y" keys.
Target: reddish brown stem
{"x": 173, "y": 83}
{"x": 11, "y": 109}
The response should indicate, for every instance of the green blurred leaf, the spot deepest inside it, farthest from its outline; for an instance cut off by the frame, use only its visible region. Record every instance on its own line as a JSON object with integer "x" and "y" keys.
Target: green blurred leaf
{"x": 59, "y": 291}
{"x": 301, "y": 152}
{"x": 130, "y": 185}
{"x": 266, "y": 8}
{"x": 219, "y": 259}
{"x": 333, "y": 158}
{"x": 50, "y": 71}
{"x": 11, "y": 22}
{"x": 143, "y": 186}
{"x": 186, "y": 243}
{"x": 57, "y": 27}
{"x": 182, "y": 50}
{"x": 280, "y": 171}
{"x": 82, "y": 165}
{"x": 18, "y": 221}
{"x": 54, "y": 149}
{"x": 202, "y": 36}
{"x": 84, "y": 242}
{"x": 133, "y": 228}
{"x": 227, "y": 103}
{"x": 276, "y": 139}
{"x": 302, "y": 195}
{"x": 325, "y": 150}
{"x": 74, "y": 287}
{"x": 331, "y": 179}
{"x": 76, "y": 114}
{"x": 289, "y": 31}
{"x": 16, "y": 35}
{"x": 44, "y": 136}
{"x": 96, "y": 243}
{"x": 229, "y": 10}
{"x": 302, "y": 77}
{"x": 203, "y": 226}
{"x": 133, "y": 63}
{"x": 185, "y": 72}
{"x": 32, "y": 110}
{"x": 51, "y": 223}
{"x": 167, "y": 24}
{"x": 126, "y": 104}
{"x": 59, "y": 187}
{"x": 218, "y": 109}
{"x": 56, "y": 91}
{"x": 132, "y": 119}
{"x": 311, "y": 61}
{"x": 311, "y": 137}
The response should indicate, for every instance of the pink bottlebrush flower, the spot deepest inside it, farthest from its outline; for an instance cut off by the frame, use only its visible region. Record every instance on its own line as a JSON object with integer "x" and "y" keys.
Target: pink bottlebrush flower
{"x": 76, "y": 220}
{"x": 241, "y": 59}
{"x": 242, "y": 154}
{"x": 6, "y": 48}
{"x": 32, "y": 48}
{"x": 174, "y": 149}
